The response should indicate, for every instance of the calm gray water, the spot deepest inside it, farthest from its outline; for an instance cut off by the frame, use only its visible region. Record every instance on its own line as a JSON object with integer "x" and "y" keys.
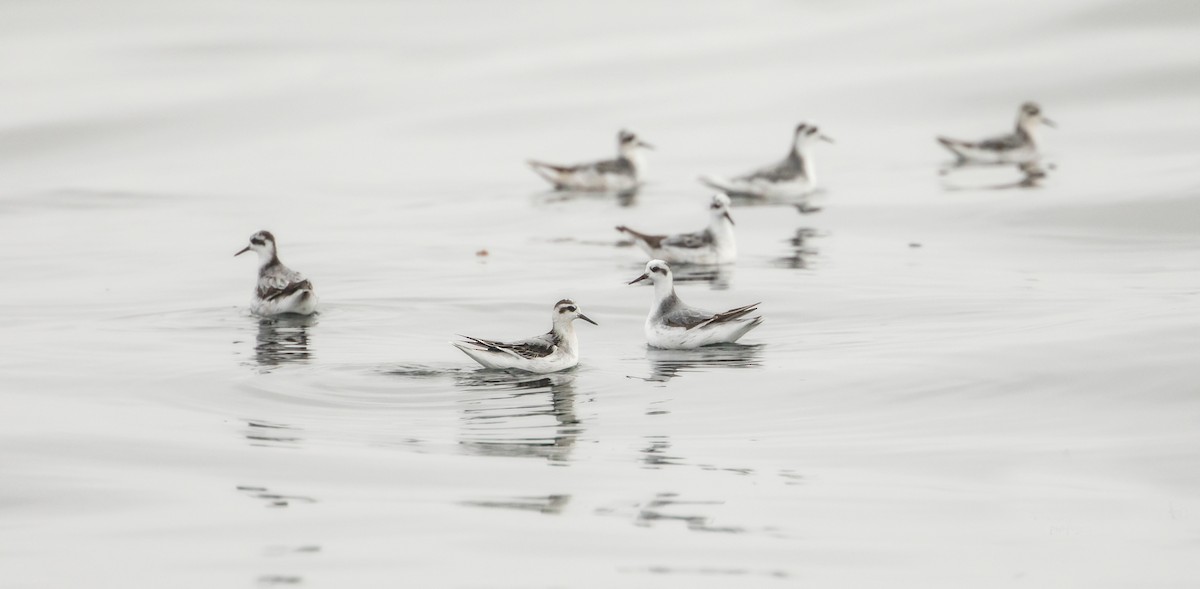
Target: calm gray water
{"x": 960, "y": 382}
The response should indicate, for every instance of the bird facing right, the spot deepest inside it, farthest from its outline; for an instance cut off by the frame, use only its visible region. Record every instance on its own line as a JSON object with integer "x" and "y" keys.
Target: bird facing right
{"x": 555, "y": 350}
{"x": 1017, "y": 147}
{"x": 674, "y": 325}
{"x": 794, "y": 176}
{"x": 621, "y": 174}
{"x": 714, "y": 244}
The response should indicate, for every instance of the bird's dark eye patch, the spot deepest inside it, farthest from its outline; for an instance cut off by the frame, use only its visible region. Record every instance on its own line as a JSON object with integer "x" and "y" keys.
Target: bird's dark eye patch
{"x": 562, "y": 310}
{"x": 258, "y": 242}
{"x": 570, "y": 309}
{"x": 657, "y": 269}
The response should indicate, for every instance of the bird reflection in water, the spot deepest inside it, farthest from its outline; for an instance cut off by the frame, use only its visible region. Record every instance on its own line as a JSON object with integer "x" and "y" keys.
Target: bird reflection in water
{"x": 801, "y": 252}
{"x": 283, "y": 340}
{"x": 519, "y": 415}
{"x": 625, "y": 198}
{"x": 1031, "y": 175}
{"x": 668, "y": 364}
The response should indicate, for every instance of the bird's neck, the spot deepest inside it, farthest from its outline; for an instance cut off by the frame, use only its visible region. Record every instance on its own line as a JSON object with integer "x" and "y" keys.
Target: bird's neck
{"x": 664, "y": 290}
{"x": 267, "y": 260}
{"x": 636, "y": 157}
{"x": 721, "y": 227}
{"x": 801, "y": 156}
{"x": 565, "y": 332}
{"x": 1027, "y": 130}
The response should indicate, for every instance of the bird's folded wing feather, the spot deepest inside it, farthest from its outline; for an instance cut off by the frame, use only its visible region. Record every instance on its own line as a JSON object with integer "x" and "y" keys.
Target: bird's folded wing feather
{"x": 690, "y": 240}
{"x": 617, "y": 166}
{"x": 276, "y": 286}
{"x": 534, "y": 347}
{"x": 776, "y": 172}
{"x": 1001, "y": 143}
{"x": 730, "y": 315}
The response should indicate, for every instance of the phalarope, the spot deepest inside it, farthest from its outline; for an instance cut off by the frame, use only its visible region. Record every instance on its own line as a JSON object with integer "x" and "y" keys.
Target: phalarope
{"x": 550, "y": 352}
{"x": 280, "y": 289}
{"x": 620, "y": 174}
{"x": 672, "y": 324}
{"x": 793, "y": 176}
{"x": 713, "y": 245}
{"x": 1020, "y": 146}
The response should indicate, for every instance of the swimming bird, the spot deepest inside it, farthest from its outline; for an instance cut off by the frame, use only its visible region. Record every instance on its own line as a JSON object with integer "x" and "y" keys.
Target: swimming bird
{"x": 714, "y": 244}
{"x": 620, "y": 174}
{"x": 280, "y": 289}
{"x": 1017, "y": 147}
{"x": 553, "y": 351}
{"x": 793, "y": 176}
{"x": 672, "y": 324}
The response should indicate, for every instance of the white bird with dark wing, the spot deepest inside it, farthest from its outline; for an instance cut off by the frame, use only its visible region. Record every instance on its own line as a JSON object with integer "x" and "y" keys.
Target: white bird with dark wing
{"x": 550, "y": 352}
{"x": 280, "y": 289}
{"x": 621, "y": 174}
{"x": 715, "y": 244}
{"x": 792, "y": 177}
{"x": 1017, "y": 147}
{"x": 674, "y": 325}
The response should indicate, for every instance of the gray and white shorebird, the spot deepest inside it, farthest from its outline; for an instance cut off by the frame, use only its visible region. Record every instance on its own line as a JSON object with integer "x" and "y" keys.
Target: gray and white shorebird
{"x": 1020, "y": 146}
{"x": 714, "y": 244}
{"x": 280, "y": 289}
{"x": 674, "y": 325}
{"x": 553, "y": 351}
{"x": 789, "y": 178}
{"x": 621, "y": 174}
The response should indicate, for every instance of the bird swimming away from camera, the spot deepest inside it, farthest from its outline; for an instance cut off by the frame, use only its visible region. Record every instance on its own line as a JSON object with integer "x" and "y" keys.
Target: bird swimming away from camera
{"x": 793, "y": 176}
{"x": 674, "y": 325}
{"x": 1020, "y": 146}
{"x": 550, "y": 352}
{"x": 621, "y": 174}
{"x": 280, "y": 289}
{"x": 714, "y": 244}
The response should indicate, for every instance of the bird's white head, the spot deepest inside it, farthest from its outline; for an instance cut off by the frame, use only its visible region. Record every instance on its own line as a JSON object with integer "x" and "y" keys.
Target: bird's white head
{"x": 1030, "y": 115}
{"x": 808, "y": 134}
{"x": 657, "y": 272}
{"x": 630, "y": 146}
{"x": 719, "y": 208}
{"x": 262, "y": 243}
{"x": 566, "y": 311}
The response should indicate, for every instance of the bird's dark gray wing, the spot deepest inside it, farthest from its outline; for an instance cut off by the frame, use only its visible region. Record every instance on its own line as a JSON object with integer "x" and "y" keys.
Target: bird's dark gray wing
{"x": 690, "y": 240}
{"x": 534, "y": 347}
{"x": 617, "y": 166}
{"x": 270, "y": 292}
{"x": 1002, "y": 143}
{"x": 680, "y": 315}
{"x": 790, "y": 168}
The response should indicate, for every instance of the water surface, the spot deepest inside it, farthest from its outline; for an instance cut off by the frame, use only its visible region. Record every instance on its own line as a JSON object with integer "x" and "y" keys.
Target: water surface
{"x": 964, "y": 379}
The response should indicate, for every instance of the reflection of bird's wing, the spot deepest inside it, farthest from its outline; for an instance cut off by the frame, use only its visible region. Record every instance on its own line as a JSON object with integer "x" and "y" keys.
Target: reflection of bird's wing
{"x": 695, "y": 240}
{"x": 280, "y": 283}
{"x": 534, "y": 347}
{"x": 789, "y": 169}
